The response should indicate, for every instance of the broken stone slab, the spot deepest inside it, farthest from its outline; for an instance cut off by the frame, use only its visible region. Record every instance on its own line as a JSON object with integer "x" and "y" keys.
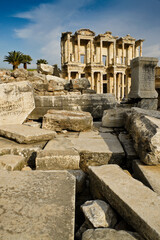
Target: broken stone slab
{"x": 136, "y": 203}
{"x": 33, "y": 124}
{"x": 93, "y": 103}
{"x": 21, "y": 72}
{"x": 57, "y": 159}
{"x": 128, "y": 147}
{"x": 149, "y": 175}
{"x": 96, "y": 149}
{"x": 106, "y": 234}
{"x": 12, "y": 162}
{"x": 16, "y": 102}
{"x": 56, "y": 83}
{"x": 99, "y": 214}
{"x": 37, "y": 205}
{"x": 26, "y": 134}
{"x": 145, "y": 132}
{"x": 80, "y": 179}
{"x": 114, "y": 117}
{"x": 45, "y": 68}
{"x": 80, "y": 84}
{"x": 149, "y": 104}
{"x": 58, "y": 120}
{"x": 143, "y": 78}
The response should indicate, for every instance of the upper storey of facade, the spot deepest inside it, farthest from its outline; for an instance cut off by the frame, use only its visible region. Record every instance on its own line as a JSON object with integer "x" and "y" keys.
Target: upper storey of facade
{"x": 85, "y": 48}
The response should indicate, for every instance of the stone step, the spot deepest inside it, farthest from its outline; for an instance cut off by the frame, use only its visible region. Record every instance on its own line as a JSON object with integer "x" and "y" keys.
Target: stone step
{"x": 136, "y": 203}
{"x": 25, "y": 134}
{"x": 37, "y": 205}
{"x": 149, "y": 175}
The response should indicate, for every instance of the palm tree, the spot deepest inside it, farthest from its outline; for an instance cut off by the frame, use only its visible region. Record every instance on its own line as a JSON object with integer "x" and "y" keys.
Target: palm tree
{"x": 26, "y": 60}
{"x": 42, "y": 61}
{"x": 14, "y": 58}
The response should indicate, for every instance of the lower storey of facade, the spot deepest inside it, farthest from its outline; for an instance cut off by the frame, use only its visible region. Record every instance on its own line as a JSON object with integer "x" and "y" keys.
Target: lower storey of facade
{"x": 116, "y": 80}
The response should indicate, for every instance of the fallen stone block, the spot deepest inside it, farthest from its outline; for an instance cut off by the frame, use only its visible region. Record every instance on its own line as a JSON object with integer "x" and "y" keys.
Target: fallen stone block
{"x": 11, "y": 162}
{"x": 145, "y": 131}
{"x": 93, "y": 103}
{"x": 80, "y": 179}
{"x": 127, "y": 144}
{"x": 99, "y": 214}
{"x": 67, "y": 120}
{"x": 45, "y": 69}
{"x": 149, "y": 175}
{"x": 56, "y": 83}
{"x": 114, "y": 117}
{"x": 80, "y": 84}
{"x": 98, "y": 149}
{"x": 25, "y": 134}
{"x": 136, "y": 203}
{"x": 16, "y": 102}
{"x": 37, "y": 205}
{"x": 57, "y": 159}
{"x": 106, "y": 234}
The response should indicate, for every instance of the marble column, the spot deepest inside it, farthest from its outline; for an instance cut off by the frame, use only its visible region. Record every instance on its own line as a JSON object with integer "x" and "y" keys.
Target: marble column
{"x": 78, "y": 48}
{"x": 101, "y": 52}
{"x": 122, "y": 86}
{"x": 114, "y": 53}
{"x": 68, "y": 48}
{"x": 114, "y": 83}
{"x": 133, "y": 51}
{"x": 69, "y": 75}
{"x": 91, "y": 51}
{"x": 141, "y": 49}
{"x": 122, "y": 52}
{"x": 108, "y": 53}
{"x": 92, "y": 80}
{"x": 101, "y": 82}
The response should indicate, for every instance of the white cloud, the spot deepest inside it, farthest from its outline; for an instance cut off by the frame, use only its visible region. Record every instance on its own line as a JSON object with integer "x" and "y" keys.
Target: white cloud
{"x": 47, "y": 21}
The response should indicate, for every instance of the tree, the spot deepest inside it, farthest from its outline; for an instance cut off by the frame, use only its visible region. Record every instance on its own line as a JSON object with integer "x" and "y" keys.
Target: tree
{"x": 42, "y": 61}
{"x": 14, "y": 58}
{"x": 26, "y": 60}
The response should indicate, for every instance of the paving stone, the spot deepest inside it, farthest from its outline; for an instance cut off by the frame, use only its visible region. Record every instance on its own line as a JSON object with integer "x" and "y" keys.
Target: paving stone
{"x": 98, "y": 149}
{"x": 128, "y": 146}
{"x": 11, "y": 162}
{"x": 149, "y": 175}
{"x": 67, "y": 120}
{"x": 57, "y": 159}
{"x": 16, "y": 102}
{"x": 106, "y": 130}
{"x": 37, "y": 205}
{"x": 106, "y": 234}
{"x": 136, "y": 203}
{"x": 25, "y": 134}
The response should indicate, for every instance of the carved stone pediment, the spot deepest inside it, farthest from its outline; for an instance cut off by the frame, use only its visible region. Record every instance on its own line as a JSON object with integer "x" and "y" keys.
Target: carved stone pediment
{"x": 128, "y": 37}
{"x": 85, "y": 32}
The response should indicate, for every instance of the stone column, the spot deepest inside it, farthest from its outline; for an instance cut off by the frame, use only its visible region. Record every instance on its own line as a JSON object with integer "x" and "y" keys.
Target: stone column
{"x": 114, "y": 53}
{"x": 69, "y": 75}
{"x": 91, "y": 51}
{"x": 78, "y": 48}
{"x": 143, "y": 77}
{"x": 79, "y": 75}
{"x": 122, "y": 86}
{"x": 114, "y": 83}
{"x": 122, "y": 52}
{"x": 118, "y": 86}
{"x": 92, "y": 80}
{"x": 101, "y": 52}
{"x": 133, "y": 50}
{"x": 108, "y": 53}
{"x": 68, "y": 48}
{"x": 141, "y": 49}
{"x": 101, "y": 82}
{"x": 127, "y": 86}
{"x": 62, "y": 49}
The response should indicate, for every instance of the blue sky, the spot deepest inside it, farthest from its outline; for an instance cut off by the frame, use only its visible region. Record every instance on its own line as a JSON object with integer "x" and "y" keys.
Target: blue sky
{"x": 34, "y": 27}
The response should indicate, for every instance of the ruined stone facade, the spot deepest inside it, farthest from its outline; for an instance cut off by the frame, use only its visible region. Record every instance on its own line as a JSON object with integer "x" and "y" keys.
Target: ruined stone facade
{"x": 103, "y": 59}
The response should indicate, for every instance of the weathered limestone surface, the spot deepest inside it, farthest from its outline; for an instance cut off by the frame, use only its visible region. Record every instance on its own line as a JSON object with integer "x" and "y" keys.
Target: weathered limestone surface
{"x": 136, "y": 203}
{"x": 45, "y": 68}
{"x": 93, "y": 103}
{"x": 25, "y": 134}
{"x": 143, "y": 77}
{"x": 67, "y": 120}
{"x": 145, "y": 131}
{"x": 37, "y": 205}
{"x": 114, "y": 117}
{"x": 10, "y": 147}
{"x": 56, "y": 83}
{"x": 11, "y": 162}
{"x": 80, "y": 179}
{"x": 127, "y": 144}
{"x": 16, "y": 102}
{"x": 149, "y": 175}
{"x": 99, "y": 214}
{"x": 96, "y": 149}
{"x": 79, "y": 84}
{"x": 149, "y": 104}
{"x": 57, "y": 159}
{"x": 106, "y": 234}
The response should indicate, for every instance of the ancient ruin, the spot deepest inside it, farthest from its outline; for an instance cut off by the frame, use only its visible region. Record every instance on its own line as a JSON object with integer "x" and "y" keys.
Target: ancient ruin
{"x": 77, "y": 165}
{"x": 103, "y": 59}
